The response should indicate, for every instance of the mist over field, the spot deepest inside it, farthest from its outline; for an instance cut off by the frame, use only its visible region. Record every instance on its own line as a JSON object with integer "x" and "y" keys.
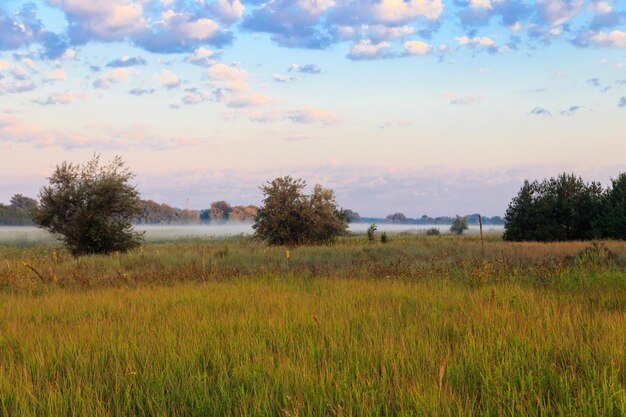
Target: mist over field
{"x": 32, "y": 234}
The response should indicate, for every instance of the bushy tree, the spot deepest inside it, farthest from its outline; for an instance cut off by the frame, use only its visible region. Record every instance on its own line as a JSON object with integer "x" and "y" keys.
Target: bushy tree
{"x": 397, "y": 218}
{"x": 459, "y": 225}
{"x": 20, "y": 202}
{"x": 289, "y": 217}
{"x": 611, "y": 223}
{"x": 91, "y": 207}
{"x": 219, "y": 211}
{"x": 561, "y": 208}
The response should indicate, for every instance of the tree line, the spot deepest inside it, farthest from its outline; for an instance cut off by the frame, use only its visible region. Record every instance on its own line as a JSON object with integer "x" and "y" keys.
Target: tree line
{"x": 19, "y": 213}
{"x": 567, "y": 208}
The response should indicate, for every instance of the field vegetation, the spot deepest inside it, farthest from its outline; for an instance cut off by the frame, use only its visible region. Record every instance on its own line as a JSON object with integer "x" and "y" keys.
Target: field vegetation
{"x": 421, "y": 325}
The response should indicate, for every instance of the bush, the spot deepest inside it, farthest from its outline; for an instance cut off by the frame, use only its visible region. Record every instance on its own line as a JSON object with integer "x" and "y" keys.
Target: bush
{"x": 90, "y": 208}
{"x": 384, "y": 238}
{"x": 289, "y": 217}
{"x": 433, "y": 232}
{"x": 459, "y": 225}
{"x": 371, "y": 232}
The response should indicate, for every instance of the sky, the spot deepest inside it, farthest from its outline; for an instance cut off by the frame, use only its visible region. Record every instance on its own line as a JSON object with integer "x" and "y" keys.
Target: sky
{"x": 436, "y": 107}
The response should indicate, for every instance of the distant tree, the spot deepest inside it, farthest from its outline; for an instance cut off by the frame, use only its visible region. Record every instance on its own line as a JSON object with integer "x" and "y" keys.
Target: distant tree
{"x": 188, "y": 216}
{"x": 289, "y": 217}
{"x": 459, "y": 225}
{"x": 243, "y": 214}
{"x": 152, "y": 212}
{"x": 397, "y": 218}
{"x": 219, "y": 211}
{"x": 91, "y": 207}
{"x": 611, "y": 222}
{"x": 351, "y": 215}
{"x": 20, "y": 202}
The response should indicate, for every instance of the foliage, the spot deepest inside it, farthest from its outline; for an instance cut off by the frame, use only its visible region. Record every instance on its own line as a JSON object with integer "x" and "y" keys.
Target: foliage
{"x": 418, "y": 327}
{"x": 558, "y": 209}
{"x": 289, "y": 217}
{"x": 459, "y": 225}
{"x": 371, "y": 231}
{"x": 397, "y": 218}
{"x": 384, "y": 238}
{"x": 19, "y": 212}
{"x": 611, "y": 223}
{"x": 219, "y": 211}
{"x": 90, "y": 208}
{"x": 433, "y": 231}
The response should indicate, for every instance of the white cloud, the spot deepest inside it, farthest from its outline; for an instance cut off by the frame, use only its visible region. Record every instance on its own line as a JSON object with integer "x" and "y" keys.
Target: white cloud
{"x": 114, "y": 76}
{"x": 62, "y": 97}
{"x": 416, "y": 48}
{"x": 201, "y": 56}
{"x": 69, "y": 54}
{"x": 167, "y": 79}
{"x": 222, "y": 72}
{"x": 58, "y": 75}
{"x": 480, "y": 4}
{"x": 615, "y": 38}
{"x": 401, "y": 11}
{"x": 478, "y": 41}
{"x": 308, "y": 115}
{"x": 365, "y": 49}
{"x": 4, "y": 65}
{"x": 107, "y": 20}
{"x": 558, "y": 12}
{"x": 181, "y": 26}
{"x": 229, "y": 10}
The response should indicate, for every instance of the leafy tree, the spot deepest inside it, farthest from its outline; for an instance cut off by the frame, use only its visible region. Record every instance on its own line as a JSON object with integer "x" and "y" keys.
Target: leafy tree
{"x": 20, "y": 202}
{"x": 371, "y": 232}
{"x": 91, "y": 207}
{"x": 561, "y": 208}
{"x": 397, "y": 218}
{"x": 459, "y": 225}
{"x": 289, "y": 217}
{"x": 243, "y": 214}
{"x": 611, "y": 223}
{"x": 219, "y": 211}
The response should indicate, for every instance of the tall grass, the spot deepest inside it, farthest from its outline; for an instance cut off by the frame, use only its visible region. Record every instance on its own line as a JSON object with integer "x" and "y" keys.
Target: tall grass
{"x": 420, "y": 326}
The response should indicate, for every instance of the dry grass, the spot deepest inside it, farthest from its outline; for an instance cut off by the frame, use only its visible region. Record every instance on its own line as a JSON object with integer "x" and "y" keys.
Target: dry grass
{"x": 420, "y": 326}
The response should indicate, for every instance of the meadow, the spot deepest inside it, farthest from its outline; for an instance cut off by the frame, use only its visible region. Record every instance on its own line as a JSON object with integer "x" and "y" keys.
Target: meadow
{"x": 420, "y": 326}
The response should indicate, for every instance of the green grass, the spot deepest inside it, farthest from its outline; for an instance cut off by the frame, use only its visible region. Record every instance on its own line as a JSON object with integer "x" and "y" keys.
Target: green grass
{"x": 419, "y": 326}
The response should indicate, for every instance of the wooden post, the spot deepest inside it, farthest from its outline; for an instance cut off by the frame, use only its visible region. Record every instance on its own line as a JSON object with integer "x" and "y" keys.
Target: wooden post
{"x": 482, "y": 240}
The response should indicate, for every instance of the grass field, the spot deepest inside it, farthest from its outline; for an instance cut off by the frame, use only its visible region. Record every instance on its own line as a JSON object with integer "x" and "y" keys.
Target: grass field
{"x": 419, "y": 326}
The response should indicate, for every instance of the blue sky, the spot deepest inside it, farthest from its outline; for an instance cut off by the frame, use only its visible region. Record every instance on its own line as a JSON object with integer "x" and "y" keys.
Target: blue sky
{"x": 420, "y": 106}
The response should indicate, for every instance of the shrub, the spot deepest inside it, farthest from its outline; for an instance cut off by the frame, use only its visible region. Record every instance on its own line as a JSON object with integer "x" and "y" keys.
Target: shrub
{"x": 459, "y": 225}
{"x": 90, "y": 208}
{"x": 384, "y": 238}
{"x": 289, "y": 217}
{"x": 371, "y": 232}
{"x": 433, "y": 232}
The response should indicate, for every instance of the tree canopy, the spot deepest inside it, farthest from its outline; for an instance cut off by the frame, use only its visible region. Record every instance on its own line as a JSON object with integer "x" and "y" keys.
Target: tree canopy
{"x": 567, "y": 208}
{"x": 91, "y": 207}
{"x": 290, "y": 217}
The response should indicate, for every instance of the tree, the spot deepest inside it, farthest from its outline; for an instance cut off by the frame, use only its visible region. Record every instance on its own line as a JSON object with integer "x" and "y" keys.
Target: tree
{"x": 459, "y": 225}
{"x": 561, "y": 208}
{"x": 20, "y": 202}
{"x": 219, "y": 211}
{"x": 91, "y": 207}
{"x": 289, "y": 217}
{"x": 397, "y": 218}
{"x": 611, "y": 223}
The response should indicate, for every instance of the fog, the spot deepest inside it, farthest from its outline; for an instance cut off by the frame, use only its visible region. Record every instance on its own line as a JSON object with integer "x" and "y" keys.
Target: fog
{"x": 31, "y": 234}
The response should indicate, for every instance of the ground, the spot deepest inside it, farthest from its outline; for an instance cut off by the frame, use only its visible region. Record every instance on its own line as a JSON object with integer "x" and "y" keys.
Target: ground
{"x": 417, "y": 326}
